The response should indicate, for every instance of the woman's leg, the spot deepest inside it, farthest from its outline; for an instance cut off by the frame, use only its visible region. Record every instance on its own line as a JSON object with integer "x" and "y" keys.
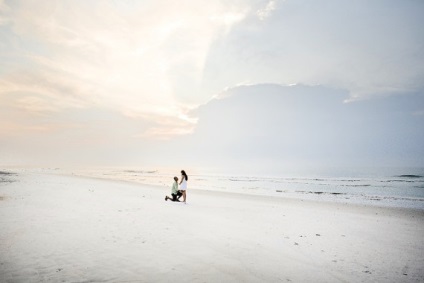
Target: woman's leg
{"x": 184, "y": 196}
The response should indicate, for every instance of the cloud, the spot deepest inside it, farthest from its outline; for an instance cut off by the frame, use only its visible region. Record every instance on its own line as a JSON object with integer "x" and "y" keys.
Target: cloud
{"x": 73, "y": 136}
{"x": 131, "y": 56}
{"x": 266, "y": 12}
{"x": 307, "y": 126}
{"x": 35, "y": 105}
{"x": 3, "y": 10}
{"x": 165, "y": 126}
{"x": 367, "y": 48}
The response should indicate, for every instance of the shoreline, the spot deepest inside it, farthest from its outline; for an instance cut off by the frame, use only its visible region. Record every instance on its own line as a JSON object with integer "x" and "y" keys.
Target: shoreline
{"x": 297, "y": 195}
{"x": 73, "y": 229}
{"x": 380, "y": 192}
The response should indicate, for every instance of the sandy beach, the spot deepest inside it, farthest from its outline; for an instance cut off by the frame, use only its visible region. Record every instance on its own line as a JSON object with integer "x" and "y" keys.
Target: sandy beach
{"x": 57, "y": 228}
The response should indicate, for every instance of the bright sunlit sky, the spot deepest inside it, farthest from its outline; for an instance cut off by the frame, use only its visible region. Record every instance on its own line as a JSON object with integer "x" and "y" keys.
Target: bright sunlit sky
{"x": 199, "y": 83}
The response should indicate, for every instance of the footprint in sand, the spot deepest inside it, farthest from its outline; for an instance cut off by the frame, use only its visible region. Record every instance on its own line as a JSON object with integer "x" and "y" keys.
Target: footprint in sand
{"x": 367, "y": 271}
{"x": 405, "y": 270}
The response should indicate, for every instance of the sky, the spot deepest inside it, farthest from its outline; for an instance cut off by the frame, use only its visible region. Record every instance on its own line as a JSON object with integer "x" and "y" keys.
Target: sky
{"x": 224, "y": 84}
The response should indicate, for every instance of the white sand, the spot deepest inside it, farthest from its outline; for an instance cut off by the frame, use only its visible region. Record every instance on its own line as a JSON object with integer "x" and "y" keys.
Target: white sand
{"x": 69, "y": 229}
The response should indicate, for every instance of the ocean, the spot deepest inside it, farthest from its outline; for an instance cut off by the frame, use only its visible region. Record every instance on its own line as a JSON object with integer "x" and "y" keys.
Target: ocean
{"x": 393, "y": 187}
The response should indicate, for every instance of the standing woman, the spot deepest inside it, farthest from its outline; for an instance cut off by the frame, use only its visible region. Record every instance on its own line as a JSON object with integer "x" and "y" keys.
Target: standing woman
{"x": 183, "y": 184}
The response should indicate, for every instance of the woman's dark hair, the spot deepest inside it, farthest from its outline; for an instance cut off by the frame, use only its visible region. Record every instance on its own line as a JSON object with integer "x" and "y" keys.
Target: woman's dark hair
{"x": 184, "y": 174}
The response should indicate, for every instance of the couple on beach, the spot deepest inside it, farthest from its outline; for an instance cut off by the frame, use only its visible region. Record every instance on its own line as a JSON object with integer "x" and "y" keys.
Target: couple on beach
{"x": 177, "y": 193}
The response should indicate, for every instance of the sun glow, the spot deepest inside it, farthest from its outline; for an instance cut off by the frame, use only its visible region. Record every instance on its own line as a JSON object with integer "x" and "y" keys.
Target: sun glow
{"x": 125, "y": 57}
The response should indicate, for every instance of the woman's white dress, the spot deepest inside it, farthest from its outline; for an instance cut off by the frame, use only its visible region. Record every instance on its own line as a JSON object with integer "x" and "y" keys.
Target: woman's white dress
{"x": 183, "y": 185}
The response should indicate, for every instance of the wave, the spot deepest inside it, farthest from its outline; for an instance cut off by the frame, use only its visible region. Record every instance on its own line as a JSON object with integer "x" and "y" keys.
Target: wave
{"x": 364, "y": 185}
{"x": 409, "y": 176}
{"x": 238, "y": 180}
{"x": 141, "y": 171}
{"x": 5, "y": 177}
{"x": 399, "y": 181}
{"x": 321, "y": 193}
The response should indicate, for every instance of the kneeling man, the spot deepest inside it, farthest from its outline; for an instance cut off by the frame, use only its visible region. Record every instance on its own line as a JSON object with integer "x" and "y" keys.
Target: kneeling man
{"x": 175, "y": 193}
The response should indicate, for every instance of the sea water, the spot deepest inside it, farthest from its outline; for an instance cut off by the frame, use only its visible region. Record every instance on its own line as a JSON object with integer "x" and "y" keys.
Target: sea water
{"x": 394, "y": 187}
